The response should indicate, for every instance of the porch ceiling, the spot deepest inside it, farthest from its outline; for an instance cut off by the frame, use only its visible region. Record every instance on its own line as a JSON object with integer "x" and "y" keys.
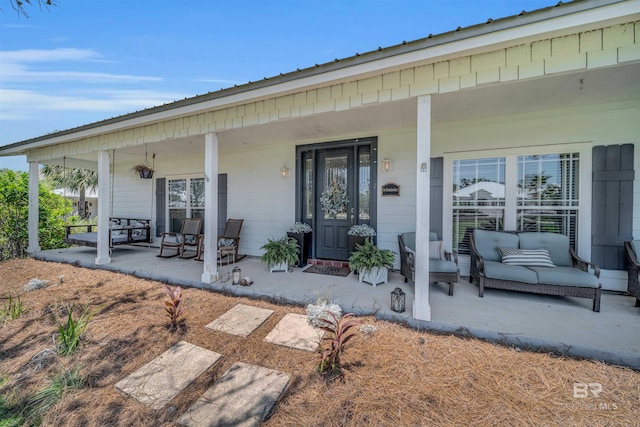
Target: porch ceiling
{"x": 603, "y": 85}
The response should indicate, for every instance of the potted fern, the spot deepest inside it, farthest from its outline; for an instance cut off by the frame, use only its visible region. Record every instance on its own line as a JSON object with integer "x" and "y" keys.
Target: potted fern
{"x": 372, "y": 263}
{"x": 279, "y": 253}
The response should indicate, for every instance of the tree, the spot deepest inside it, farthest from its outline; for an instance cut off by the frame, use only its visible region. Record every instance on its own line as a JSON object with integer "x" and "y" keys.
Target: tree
{"x": 14, "y": 214}
{"x": 73, "y": 179}
{"x": 19, "y": 5}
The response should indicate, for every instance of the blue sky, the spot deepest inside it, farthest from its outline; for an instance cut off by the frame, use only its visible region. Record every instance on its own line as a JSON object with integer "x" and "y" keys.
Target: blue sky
{"x": 83, "y": 61}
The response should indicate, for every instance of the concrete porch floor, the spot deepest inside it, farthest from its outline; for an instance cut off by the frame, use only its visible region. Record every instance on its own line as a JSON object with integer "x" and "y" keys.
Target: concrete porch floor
{"x": 545, "y": 323}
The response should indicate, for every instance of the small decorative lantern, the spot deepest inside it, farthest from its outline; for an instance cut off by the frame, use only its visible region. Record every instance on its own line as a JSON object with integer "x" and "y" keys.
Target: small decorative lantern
{"x": 236, "y": 275}
{"x": 397, "y": 300}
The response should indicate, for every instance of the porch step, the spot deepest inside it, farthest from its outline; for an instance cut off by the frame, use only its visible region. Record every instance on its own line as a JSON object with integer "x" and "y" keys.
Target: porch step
{"x": 329, "y": 262}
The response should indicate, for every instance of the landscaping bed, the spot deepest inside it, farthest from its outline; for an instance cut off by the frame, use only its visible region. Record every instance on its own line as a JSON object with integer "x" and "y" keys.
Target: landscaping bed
{"x": 394, "y": 376}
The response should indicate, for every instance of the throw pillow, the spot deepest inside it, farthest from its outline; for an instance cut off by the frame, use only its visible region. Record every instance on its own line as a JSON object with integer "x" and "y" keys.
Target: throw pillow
{"x": 526, "y": 257}
{"x": 436, "y": 249}
{"x": 226, "y": 242}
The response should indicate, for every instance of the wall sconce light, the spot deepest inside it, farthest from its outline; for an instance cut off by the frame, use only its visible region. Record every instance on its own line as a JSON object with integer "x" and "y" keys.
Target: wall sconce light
{"x": 386, "y": 164}
{"x": 423, "y": 167}
{"x": 284, "y": 171}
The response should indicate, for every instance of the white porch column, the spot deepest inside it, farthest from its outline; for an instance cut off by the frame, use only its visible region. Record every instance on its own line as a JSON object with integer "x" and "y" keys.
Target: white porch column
{"x": 34, "y": 208}
{"x": 421, "y": 307}
{"x": 210, "y": 273}
{"x": 104, "y": 208}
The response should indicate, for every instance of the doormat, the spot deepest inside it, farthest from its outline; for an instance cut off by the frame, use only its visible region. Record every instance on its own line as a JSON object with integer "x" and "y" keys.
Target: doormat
{"x": 328, "y": 270}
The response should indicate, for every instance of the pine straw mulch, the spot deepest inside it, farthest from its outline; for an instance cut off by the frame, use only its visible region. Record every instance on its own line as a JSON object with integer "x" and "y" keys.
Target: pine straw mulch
{"x": 395, "y": 377}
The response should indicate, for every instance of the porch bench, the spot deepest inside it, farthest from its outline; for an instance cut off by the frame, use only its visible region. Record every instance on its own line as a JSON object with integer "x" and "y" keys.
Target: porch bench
{"x": 443, "y": 265}
{"x": 564, "y": 273}
{"x": 122, "y": 231}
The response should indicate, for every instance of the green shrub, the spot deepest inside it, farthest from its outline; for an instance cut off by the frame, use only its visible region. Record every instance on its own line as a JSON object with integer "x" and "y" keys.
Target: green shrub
{"x": 14, "y": 213}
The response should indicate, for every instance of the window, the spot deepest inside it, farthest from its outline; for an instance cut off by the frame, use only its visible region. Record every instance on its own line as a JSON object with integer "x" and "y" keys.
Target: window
{"x": 478, "y": 198}
{"x": 547, "y": 195}
{"x": 522, "y": 193}
{"x": 186, "y": 200}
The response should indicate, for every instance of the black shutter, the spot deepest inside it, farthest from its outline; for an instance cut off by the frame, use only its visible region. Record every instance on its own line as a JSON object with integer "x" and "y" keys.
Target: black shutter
{"x": 612, "y": 204}
{"x": 222, "y": 203}
{"x": 436, "y": 200}
{"x": 160, "y": 205}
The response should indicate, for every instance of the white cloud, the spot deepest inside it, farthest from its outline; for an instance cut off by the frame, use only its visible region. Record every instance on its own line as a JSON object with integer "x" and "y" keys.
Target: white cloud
{"x": 16, "y": 67}
{"x": 51, "y": 55}
{"x": 27, "y": 104}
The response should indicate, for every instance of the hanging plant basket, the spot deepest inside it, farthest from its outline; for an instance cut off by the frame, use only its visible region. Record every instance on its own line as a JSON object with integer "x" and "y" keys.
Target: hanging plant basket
{"x": 145, "y": 171}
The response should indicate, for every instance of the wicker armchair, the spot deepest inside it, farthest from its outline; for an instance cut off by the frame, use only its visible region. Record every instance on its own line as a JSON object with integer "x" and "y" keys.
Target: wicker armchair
{"x": 440, "y": 270}
{"x": 633, "y": 271}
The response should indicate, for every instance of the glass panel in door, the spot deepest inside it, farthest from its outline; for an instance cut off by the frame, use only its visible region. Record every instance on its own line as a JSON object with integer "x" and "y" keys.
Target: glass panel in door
{"x": 334, "y": 207}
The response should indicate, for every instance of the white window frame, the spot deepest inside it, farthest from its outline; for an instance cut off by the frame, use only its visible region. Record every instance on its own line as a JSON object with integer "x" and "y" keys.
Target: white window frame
{"x": 511, "y": 176}
{"x": 187, "y": 177}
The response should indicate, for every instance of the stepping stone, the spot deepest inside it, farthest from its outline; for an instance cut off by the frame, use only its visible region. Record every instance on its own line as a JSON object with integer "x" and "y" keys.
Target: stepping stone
{"x": 241, "y": 320}
{"x": 295, "y": 331}
{"x": 243, "y": 396}
{"x": 160, "y": 380}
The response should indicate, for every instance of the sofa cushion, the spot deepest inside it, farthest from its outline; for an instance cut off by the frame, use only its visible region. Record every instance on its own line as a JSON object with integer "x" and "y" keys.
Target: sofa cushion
{"x": 488, "y": 242}
{"x": 436, "y": 249}
{"x": 565, "y": 276}
{"x": 409, "y": 240}
{"x": 556, "y": 244}
{"x": 442, "y": 266}
{"x": 526, "y": 257}
{"x": 635, "y": 245}
{"x": 514, "y": 273}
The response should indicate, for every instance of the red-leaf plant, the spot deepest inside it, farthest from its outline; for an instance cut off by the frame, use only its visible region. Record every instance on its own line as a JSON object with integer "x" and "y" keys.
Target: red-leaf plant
{"x": 340, "y": 334}
{"x": 174, "y": 306}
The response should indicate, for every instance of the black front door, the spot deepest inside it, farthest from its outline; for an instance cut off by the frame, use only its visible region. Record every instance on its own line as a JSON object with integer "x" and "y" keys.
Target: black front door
{"x": 334, "y": 202}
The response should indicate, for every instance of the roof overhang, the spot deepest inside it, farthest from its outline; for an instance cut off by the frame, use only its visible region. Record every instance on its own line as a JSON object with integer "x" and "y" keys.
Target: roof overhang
{"x": 555, "y": 21}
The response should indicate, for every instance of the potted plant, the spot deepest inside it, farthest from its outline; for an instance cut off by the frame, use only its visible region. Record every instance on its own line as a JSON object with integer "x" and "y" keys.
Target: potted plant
{"x": 301, "y": 232}
{"x": 145, "y": 171}
{"x": 372, "y": 263}
{"x": 358, "y": 234}
{"x": 279, "y": 253}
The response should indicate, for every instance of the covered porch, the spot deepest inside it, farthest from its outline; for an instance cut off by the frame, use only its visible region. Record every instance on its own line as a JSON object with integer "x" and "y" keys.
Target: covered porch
{"x": 516, "y": 319}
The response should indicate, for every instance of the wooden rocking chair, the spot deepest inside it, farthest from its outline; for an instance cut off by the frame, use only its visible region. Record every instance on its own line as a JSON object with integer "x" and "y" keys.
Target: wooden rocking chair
{"x": 188, "y": 236}
{"x": 230, "y": 238}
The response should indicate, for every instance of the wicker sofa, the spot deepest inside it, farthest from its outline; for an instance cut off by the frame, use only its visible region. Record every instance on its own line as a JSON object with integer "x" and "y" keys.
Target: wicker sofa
{"x": 567, "y": 276}
{"x": 442, "y": 267}
{"x": 633, "y": 269}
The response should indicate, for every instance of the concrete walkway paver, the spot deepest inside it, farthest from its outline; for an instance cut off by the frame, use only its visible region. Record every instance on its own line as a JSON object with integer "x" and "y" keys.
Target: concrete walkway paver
{"x": 243, "y": 396}
{"x": 241, "y": 320}
{"x": 295, "y": 331}
{"x": 160, "y": 380}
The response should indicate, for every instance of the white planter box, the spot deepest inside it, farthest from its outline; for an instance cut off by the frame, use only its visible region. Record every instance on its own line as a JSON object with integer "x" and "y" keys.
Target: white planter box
{"x": 374, "y": 276}
{"x": 284, "y": 266}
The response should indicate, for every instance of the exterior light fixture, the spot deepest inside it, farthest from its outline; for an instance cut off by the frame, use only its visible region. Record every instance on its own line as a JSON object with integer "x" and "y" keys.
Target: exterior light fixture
{"x": 284, "y": 171}
{"x": 398, "y": 300}
{"x": 423, "y": 167}
{"x": 386, "y": 164}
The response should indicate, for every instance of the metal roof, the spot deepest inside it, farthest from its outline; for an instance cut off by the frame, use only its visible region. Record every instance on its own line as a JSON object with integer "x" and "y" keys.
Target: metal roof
{"x": 487, "y": 27}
